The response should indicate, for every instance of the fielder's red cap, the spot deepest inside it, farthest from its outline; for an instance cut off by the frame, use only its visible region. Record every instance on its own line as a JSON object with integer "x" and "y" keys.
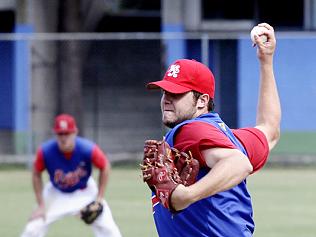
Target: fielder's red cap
{"x": 186, "y": 75}
{"x": 65, "y": 123}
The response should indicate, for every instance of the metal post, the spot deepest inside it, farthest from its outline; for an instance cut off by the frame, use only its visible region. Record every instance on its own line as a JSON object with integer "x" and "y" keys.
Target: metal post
{"x": 205, "y": 49}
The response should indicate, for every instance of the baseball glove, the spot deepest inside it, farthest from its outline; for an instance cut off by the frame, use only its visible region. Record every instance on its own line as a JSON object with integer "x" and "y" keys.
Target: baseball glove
{"x": 91, "y": 212}
{"x": 164, "y": 168}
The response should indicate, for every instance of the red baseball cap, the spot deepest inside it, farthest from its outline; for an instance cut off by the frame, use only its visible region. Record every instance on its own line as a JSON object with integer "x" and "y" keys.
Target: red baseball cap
{"x": 65, "y": 123}
{"x": 185, "y": 75}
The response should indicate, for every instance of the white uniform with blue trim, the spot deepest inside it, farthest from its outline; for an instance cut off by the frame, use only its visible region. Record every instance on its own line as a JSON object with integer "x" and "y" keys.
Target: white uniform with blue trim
{"x": 66, "y": 195}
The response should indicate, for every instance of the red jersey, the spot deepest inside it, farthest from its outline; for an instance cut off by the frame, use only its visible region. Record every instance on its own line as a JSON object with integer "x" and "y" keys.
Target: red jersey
{"x": 199, "y": 136}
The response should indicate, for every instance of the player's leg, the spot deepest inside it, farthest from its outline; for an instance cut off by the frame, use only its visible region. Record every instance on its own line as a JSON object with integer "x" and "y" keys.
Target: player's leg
{"x": 38, "y": 227}
{"x": 61, "y": 204}
{"x": 35, "y": 228}
{"x": 54, "y": 211}
{"x": 104, "y": 225}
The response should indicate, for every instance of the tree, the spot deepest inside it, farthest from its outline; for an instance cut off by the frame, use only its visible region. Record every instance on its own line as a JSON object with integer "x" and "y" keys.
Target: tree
{"x": 70, "y": 60}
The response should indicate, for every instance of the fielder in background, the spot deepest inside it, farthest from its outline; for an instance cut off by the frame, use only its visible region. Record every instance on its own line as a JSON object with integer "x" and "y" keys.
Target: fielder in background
{"x": 218, "y": 203}
{"x": 69, "y": 161}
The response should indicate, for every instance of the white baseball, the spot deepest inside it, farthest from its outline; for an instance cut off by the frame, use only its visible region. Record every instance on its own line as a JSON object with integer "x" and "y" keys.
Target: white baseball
{"x": 259, "y": 31}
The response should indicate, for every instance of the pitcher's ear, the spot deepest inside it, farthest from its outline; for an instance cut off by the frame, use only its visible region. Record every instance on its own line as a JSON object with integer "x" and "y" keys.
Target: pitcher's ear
{"x": 203, "y": 101}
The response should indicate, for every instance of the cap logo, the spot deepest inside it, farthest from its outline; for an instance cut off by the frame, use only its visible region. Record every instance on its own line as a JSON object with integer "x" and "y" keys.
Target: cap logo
{"x": 63, "y": 124}
{"x": 174, "y": 70}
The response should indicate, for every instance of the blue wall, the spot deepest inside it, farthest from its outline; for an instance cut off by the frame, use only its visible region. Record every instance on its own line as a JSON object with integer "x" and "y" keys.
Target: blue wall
{"x": 14, "y": 86}
{"x": 6, "y": 85}
{"x": 295, "y": 72}
{"x": 22, "y": 88}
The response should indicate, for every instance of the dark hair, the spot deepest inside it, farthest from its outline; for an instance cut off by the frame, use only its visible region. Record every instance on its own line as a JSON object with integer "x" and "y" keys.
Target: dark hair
{"x": 210, "y": 106}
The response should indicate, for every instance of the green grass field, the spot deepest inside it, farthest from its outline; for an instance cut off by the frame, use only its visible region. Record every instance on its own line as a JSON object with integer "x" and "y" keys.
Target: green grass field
{"x": 283, "y": 199}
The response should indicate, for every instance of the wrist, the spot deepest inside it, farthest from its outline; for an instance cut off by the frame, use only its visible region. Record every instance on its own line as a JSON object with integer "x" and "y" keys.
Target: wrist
{"x": 266, "y": 61}
{"x": 99, "y": 198}
{"x": 181, "y": 198}
{"x": 192, "y": 195}
{"x": 41, "y": 204}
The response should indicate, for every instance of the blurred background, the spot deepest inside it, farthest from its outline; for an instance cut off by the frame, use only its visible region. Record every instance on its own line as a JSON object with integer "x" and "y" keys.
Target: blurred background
{"x": 93, "y": 58}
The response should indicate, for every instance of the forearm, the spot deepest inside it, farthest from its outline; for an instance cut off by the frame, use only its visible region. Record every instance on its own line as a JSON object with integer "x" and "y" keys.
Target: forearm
{"x": 38, "y": 188}
{"x": 269, "y": 102}
{"x": 226, "y": 174}
{"x": 269, "y": 108}
{"x": 102, "y": 182}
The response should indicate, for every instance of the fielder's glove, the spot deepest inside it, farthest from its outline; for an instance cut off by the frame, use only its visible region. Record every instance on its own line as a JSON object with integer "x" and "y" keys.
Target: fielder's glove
{"x": 91, "y": 212}
{"x": 164, "y": 168}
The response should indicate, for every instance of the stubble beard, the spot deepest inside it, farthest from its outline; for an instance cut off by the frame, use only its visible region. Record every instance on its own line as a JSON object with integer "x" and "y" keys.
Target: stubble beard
{"x": 172, "y": 122}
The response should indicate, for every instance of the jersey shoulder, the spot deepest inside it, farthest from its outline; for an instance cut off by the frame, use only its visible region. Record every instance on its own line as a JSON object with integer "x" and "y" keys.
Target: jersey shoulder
{"x": 48, "y": 144}
{"x": 84, "y": 146}
{"x": 198, "y": 136}
{"x": 81, "y": 141}
{"x": 203, "y": 133}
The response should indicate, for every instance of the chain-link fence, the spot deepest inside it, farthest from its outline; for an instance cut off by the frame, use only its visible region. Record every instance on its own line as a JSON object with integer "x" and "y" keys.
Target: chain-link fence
{"x": 102, "y": 78}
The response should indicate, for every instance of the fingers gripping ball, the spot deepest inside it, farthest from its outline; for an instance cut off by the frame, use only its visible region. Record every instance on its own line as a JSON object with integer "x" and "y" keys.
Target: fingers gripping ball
{"x": 91, "y": 212}
{"x": 260, "y": 32}
{"x": 160, "y": 170}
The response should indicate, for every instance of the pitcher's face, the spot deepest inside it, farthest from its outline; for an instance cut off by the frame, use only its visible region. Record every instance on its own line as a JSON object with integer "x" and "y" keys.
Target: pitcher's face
{"x": 176, "y": 108}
